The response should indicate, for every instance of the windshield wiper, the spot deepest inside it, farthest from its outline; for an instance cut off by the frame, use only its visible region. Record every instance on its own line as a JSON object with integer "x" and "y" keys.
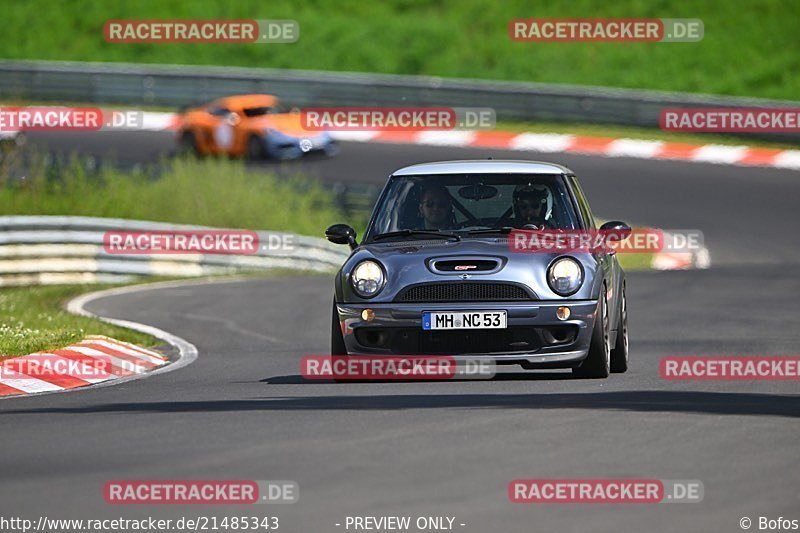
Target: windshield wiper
{"x": 504, "y": 229}
{"x": 413, "y": 232}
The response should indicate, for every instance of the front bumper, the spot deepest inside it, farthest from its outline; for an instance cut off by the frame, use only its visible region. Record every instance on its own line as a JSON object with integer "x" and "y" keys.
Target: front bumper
{"x": 534, "y": 336}
{"x": 290, "y": 148}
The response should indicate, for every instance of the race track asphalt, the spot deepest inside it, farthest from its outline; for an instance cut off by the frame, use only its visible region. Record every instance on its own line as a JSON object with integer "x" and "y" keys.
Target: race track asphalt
{"x": 241, "y": 411}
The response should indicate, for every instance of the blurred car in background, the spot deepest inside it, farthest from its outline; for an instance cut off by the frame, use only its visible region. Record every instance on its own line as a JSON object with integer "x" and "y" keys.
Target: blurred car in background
{"x": 254, "y": 126}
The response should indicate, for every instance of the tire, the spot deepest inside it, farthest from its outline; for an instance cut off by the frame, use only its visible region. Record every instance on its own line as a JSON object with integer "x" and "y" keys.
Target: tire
{"x": 188, "y": 144}
{"x": 255, "y": 149}
{"x": 620, "y": 352}
{"x": 598, "y": 363}
{"x": 337, "y": 339}
{"x": 338, "y": 349}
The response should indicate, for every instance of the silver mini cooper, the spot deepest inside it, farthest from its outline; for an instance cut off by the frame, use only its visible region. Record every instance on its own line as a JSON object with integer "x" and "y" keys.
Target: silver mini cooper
{"x": 437, "y": 272}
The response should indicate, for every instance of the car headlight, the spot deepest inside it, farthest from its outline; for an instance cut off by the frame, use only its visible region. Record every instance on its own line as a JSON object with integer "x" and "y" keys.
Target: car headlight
{"x": 367, "y": 278}
{"x": 565, "y": 276}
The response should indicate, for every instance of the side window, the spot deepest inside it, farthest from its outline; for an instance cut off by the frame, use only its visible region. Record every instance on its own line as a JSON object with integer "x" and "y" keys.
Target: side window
{"x": 219, "y": 111}
{"x": 583, "y": 205}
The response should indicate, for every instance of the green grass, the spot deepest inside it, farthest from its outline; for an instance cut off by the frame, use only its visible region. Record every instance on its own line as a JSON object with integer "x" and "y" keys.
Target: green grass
{"x": 749, "y": 49}
{"x": 33, "y": 319}
{"x": 211, "y": 192}
{"x": 634, "y": 262}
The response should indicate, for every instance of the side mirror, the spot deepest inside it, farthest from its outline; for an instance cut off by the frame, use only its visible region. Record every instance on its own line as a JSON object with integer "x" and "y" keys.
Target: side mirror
{"x": 342, "y": 234}
{"x": 615, "y": 231}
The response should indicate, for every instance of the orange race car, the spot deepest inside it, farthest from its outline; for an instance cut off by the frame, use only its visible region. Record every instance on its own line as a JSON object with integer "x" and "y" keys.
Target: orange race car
{"x": 253, "y": 125}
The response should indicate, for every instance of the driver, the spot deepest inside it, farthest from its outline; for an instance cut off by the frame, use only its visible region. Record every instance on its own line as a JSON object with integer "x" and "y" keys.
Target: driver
{"x": 530, "y": 205}
{"x": 436, "y": 208}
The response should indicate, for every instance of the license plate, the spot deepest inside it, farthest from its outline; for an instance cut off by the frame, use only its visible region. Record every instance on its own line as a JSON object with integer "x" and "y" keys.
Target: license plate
{"x": 464, "y": 320}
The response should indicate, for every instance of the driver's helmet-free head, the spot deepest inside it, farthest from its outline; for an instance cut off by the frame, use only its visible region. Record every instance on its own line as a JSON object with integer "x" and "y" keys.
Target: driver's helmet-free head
{"x": 532, "y": 202}
{"x": 436, "y": 207}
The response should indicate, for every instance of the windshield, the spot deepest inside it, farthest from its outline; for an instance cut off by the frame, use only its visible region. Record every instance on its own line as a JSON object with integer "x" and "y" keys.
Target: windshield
{"x": 462, "y": 203}
{"x": 263, "y": 110}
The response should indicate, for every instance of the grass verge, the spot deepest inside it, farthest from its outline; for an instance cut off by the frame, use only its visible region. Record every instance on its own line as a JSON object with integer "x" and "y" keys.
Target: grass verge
{"x": 33, "y": 319}
{"x": 211, "y": 192}
{"x": 634, "y": 262}
{"x": 748, "y": 49}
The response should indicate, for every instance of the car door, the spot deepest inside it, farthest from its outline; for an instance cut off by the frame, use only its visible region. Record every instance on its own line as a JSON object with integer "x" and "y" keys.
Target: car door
{"x": 218, "y": 131}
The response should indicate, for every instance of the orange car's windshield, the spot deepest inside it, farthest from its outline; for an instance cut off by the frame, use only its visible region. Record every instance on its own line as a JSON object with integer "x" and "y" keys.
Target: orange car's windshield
{"x": 262, "y": 110}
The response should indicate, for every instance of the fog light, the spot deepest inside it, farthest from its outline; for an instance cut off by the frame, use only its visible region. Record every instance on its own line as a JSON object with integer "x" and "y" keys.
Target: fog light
{"x": 368, "y": 315}
{"x": 562, "y": 313}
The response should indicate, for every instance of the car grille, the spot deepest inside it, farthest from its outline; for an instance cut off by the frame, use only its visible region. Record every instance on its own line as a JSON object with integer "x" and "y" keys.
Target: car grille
{"x": 464, "y": 292}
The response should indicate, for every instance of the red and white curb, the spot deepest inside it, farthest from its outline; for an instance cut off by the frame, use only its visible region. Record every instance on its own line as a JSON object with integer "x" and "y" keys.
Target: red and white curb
{"x": 696, "y": 259}
{"x": 585, "y": 145}
{"x": 111, "y": 359}
{"x": 542, "y": 142}
{"x": 186, "y": 351}
{"x": 554, "y": 143}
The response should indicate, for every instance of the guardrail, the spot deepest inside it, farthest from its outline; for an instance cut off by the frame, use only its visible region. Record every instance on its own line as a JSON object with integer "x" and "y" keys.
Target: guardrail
{"x": 65, "y": 249}
{"x": 175, "y": 85}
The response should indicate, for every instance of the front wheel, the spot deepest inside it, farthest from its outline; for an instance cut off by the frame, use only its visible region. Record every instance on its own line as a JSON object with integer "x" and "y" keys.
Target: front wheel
{"x": 255, "y": 149}
{"x": 337, "y": 339}
{"x": 598, "y": 363}
{"x": 619, "y": 355}
{"x": 187, "y": 145}
{"x": 338, "y": 349}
